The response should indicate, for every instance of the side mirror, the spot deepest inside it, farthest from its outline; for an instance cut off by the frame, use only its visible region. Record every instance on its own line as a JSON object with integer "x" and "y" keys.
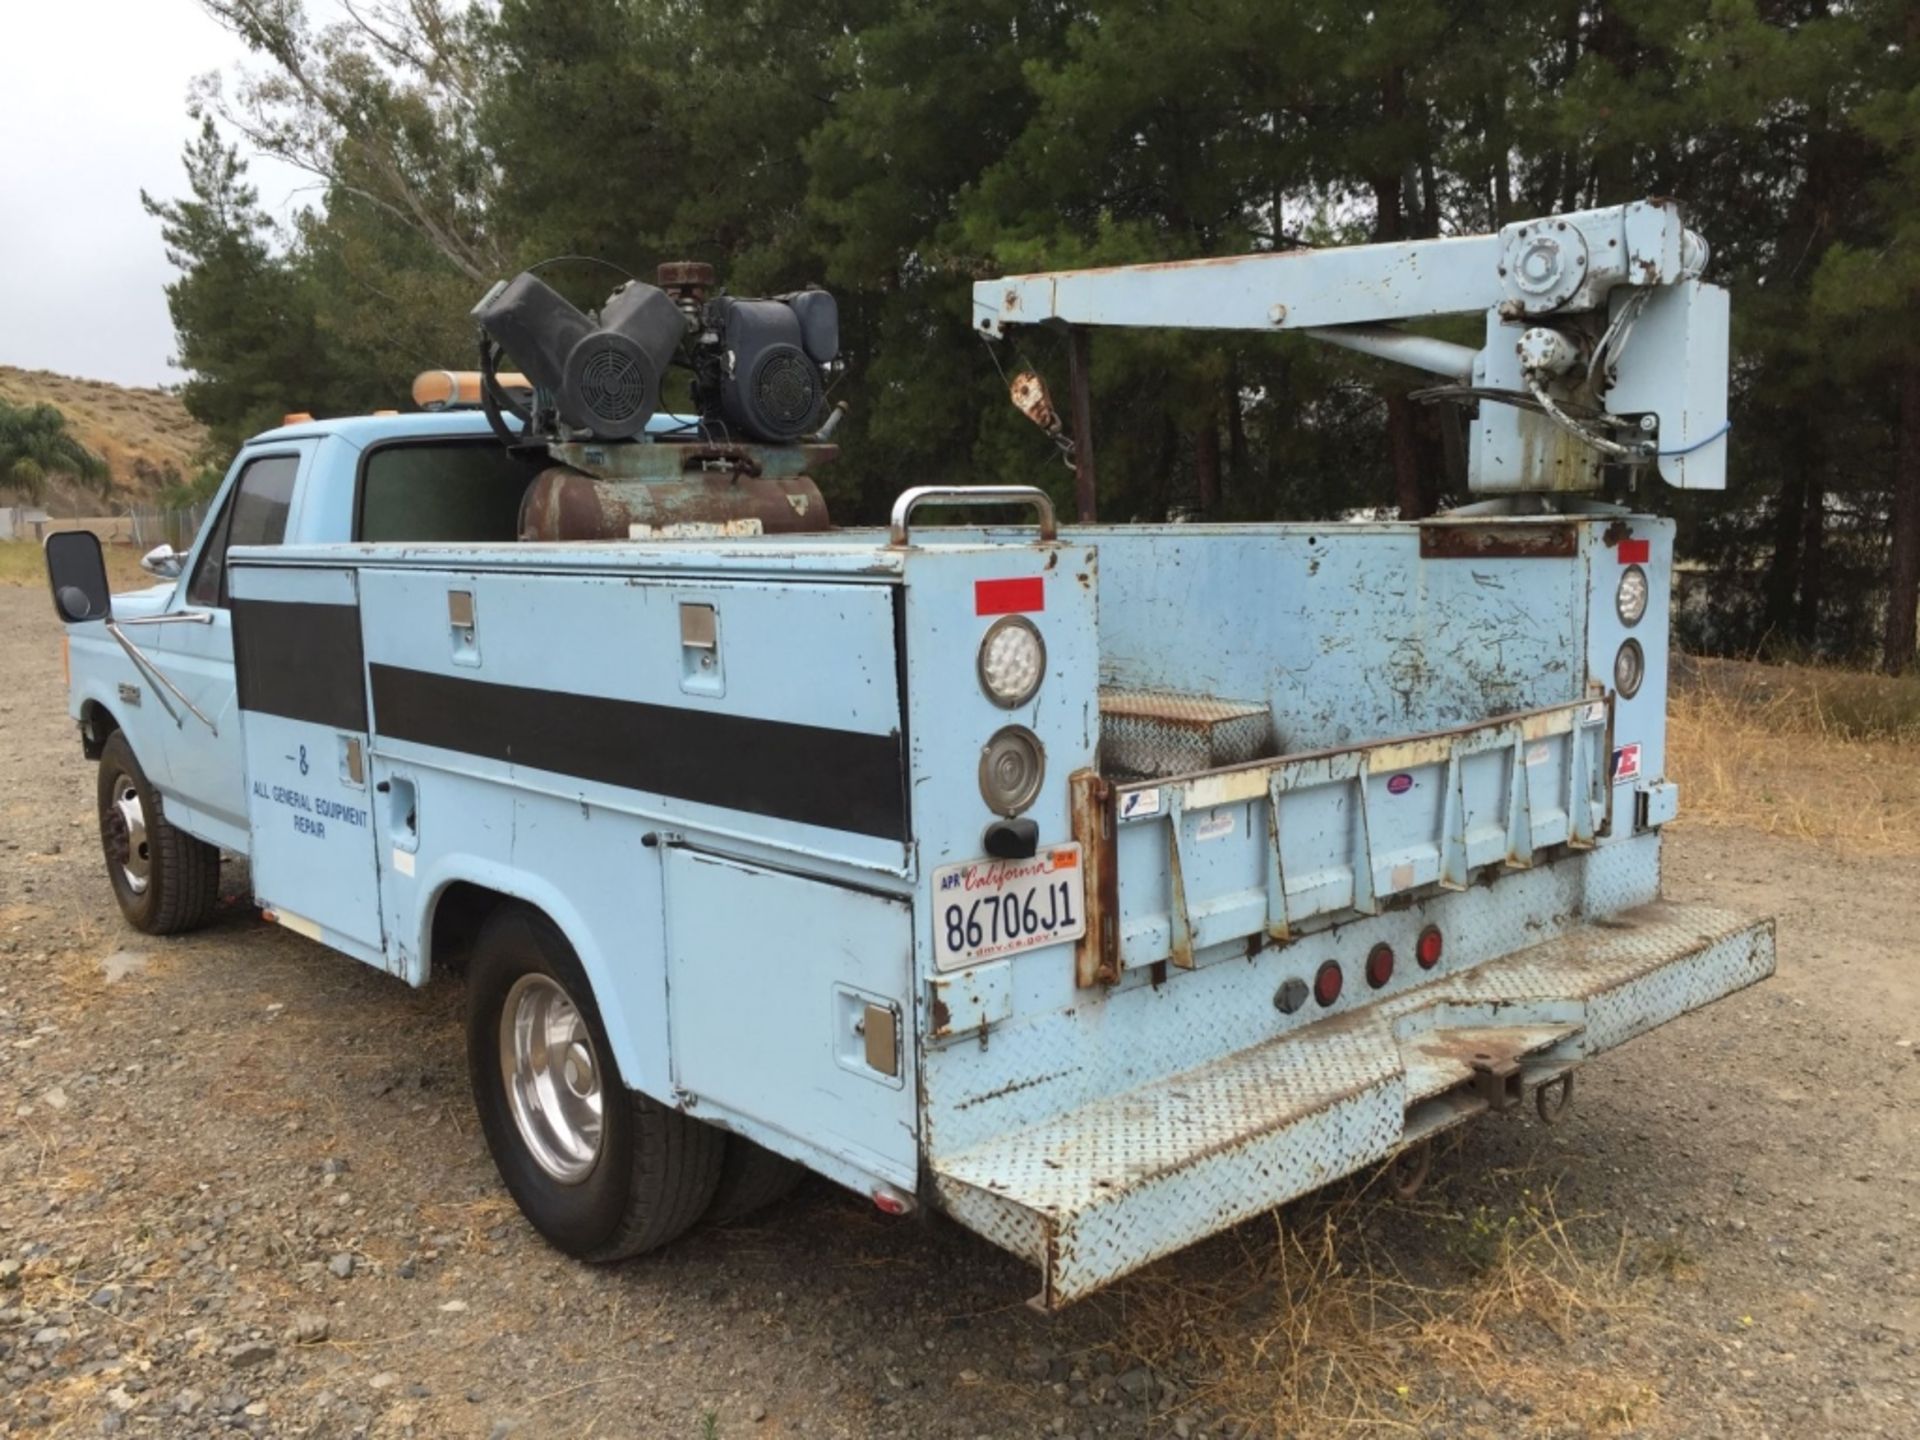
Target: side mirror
{"x": 77, "y": 572}
{"x": 162, "y": 560}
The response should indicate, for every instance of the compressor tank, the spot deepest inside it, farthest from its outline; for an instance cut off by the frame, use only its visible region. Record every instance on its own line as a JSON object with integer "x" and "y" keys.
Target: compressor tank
{"x": 709, "y": 491}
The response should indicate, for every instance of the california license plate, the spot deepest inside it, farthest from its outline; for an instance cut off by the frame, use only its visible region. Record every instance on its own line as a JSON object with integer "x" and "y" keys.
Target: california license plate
{"x": 986, "y": 909}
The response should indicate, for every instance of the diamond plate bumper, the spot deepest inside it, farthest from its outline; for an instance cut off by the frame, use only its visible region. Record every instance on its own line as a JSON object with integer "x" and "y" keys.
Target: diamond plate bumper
{"x": 1102, "y": 1190}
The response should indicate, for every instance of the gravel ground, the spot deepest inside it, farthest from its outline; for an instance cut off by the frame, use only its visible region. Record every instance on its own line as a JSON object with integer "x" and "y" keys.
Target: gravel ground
{"x": 242, "y": 1190}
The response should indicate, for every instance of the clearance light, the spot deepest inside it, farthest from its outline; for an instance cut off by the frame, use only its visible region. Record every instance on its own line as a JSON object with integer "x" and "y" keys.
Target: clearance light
{"x": 1326, "y": 983}
{"x": 1012, "y": 658}
{"x": 1630, "y": 600}
{"x": 460, "y": 389}
{"x": 1427, "y": 949}
{"x": 1629, "y": 669}
{"x": 1011, "y": 768}
{"x": 889, "y": 1201}
{"x": 1379, "y": 965}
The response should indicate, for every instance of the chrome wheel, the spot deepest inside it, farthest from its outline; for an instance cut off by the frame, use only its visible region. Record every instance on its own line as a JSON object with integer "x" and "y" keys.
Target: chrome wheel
{"x": 126, "y": 822}
{"x": 552, "y": 1076}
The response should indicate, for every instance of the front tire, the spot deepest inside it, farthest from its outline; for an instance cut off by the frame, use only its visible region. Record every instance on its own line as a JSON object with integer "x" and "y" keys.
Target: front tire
{"x": 602, "y": 1172}
{"x": 165, "y": 880}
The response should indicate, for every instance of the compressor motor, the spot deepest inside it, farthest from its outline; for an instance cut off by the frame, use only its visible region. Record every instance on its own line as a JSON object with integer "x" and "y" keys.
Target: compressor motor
{"x": 759, "y": 366}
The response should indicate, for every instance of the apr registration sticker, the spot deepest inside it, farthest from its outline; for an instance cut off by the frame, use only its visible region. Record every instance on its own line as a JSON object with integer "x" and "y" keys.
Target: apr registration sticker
{"x": 987, "y": 909}
{"x": 1626, "y": 764}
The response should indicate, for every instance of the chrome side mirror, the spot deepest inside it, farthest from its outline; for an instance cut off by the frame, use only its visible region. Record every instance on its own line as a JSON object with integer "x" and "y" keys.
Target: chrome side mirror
{"x": 163, "y": 560}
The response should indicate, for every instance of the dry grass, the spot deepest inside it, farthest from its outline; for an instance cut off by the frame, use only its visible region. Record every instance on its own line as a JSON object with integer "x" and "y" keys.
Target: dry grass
{"x": 21, "y": 564}
{"x": 1362, "y": 1316}
{"x": 142, "y": 434}
{"x": 1818, "y": 754}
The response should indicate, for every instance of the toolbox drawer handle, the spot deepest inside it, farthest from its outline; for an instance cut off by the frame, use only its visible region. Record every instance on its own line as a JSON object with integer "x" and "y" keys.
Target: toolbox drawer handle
{"x": 909, "y": 500}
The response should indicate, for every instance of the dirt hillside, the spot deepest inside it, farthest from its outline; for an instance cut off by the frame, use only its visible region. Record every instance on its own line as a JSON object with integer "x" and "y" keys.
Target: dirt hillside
{"x": 146, "y": 436}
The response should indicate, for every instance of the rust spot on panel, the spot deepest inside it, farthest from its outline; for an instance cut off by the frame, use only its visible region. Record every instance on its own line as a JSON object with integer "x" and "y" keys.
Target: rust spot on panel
{"x": 1495, "y": 540}
{"x": 1097, "y": 953}
{"x": 941, "y": 1014}
{"x": 564, "y": 504}
{"x": 1012, "y": 1087}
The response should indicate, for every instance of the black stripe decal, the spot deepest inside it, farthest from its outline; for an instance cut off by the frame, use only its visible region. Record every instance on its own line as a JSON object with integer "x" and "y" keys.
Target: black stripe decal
{"x": 300, "y": 662}
{"x": 838, "y": 779}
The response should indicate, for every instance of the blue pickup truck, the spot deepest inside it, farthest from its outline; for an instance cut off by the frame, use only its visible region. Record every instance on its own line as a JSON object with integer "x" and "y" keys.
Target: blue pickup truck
{"x": 1098, "y": 886}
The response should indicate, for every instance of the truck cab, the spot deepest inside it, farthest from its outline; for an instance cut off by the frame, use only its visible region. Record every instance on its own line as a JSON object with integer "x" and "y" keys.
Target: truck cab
{"x": 376, "y": 478}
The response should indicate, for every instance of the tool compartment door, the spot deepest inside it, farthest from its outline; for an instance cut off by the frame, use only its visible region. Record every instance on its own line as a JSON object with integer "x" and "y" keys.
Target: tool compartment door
{"x": 773, "y": 981}
{"x": 303, "y": 716}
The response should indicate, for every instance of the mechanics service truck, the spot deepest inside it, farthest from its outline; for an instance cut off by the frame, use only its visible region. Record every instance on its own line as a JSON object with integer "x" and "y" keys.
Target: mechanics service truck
{"x": 1098, "y": 886}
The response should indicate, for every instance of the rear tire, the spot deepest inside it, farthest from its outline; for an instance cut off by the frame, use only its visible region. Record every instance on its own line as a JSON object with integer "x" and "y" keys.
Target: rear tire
{"x": 752, "y": 1177}
{"x": 600, "y": 1171}
{"x": 165, "y": 880}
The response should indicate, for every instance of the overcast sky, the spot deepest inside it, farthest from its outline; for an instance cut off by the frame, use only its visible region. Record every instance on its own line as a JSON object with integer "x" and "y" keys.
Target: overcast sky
{"x": 93, "y": 107}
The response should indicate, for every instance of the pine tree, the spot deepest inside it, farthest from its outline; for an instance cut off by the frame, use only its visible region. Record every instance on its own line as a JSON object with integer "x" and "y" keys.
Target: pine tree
{"x": 242, "y": 314}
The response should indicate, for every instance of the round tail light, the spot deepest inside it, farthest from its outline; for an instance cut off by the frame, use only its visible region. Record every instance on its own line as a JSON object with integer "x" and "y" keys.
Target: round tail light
{"x": 1379, "y": 965}
{"x": 1326, "y": 983}
{"x": 1428, "y": 947}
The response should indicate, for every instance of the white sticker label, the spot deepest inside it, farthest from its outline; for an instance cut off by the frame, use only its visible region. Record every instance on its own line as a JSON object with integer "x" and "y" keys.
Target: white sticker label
{"x": 403, "y": 860}
{"x": 1539, "y": 753}
{"x": 1139, "y": 802}
{"x": 699, "y": 529}
{"x": 1217, "y": 826}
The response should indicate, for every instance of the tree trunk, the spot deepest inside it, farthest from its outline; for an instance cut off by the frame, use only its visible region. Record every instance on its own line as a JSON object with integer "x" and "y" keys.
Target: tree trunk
{"x": 1781, "y": 589}
{"x": 1813, "y": 556}
{"x": 1206, "y": 462}
{"x": 1903, "y": 567}
{"x": 1403, "y": 441}
{"x": 1236, "y": 432}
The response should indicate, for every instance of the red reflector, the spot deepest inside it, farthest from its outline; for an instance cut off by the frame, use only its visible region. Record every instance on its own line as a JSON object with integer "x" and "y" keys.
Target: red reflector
{"x": 1427, "y": 948}
{"x": 1635, "y": 552}
{"x": 1379, "y": 965}
{"x": 892, "y": 1202}
{"x": 1009, "y": 597}
{"x": 1326, "y": 983}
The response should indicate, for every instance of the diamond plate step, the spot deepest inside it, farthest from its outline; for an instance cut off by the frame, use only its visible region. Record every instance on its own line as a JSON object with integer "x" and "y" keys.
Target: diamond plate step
{"x": 1100, "y": 1191}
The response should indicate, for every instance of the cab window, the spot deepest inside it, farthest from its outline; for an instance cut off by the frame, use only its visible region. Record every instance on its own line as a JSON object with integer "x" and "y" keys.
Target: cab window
{"x": 452, "y": 491}
{"x": 255, "y": 514}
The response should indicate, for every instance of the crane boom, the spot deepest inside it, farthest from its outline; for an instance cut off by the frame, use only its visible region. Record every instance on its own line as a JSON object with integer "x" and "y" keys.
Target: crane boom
{"x": 1602, "y": 345}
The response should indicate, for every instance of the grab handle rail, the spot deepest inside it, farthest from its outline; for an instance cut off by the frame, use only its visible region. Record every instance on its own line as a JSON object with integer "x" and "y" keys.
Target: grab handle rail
{"x": 919, "y": 495}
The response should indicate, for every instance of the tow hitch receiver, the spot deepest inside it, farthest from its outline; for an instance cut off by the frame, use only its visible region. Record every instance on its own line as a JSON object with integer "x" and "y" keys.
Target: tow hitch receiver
{"x": 1496, "y": 1080}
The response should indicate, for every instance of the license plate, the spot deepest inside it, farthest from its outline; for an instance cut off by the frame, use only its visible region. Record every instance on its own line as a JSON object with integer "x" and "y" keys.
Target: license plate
{"x": 986, "y": 909}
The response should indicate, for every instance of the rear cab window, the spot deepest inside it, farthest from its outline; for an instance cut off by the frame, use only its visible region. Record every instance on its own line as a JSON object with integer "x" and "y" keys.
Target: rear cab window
{"x": 451, "y": 491}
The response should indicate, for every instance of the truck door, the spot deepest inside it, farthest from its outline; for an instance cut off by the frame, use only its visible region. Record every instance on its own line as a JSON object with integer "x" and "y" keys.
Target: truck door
{"x": 206, "y": 769}
{"x": 302, "y": 697}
